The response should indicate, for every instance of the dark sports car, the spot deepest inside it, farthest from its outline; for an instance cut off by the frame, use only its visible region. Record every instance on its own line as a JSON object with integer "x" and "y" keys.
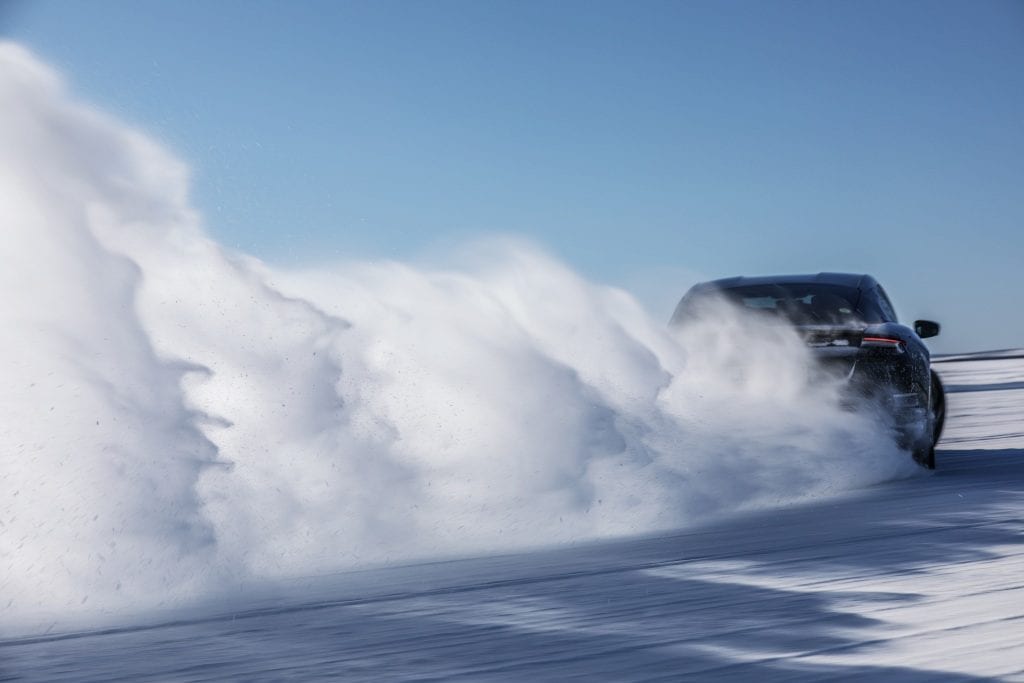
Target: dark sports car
{"x": 851, "y": 327}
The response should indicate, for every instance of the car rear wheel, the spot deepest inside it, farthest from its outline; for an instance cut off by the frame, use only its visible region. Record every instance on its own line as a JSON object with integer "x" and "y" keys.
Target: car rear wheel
{"x": 937, "y": 407}
{"x": 925, "y": 456}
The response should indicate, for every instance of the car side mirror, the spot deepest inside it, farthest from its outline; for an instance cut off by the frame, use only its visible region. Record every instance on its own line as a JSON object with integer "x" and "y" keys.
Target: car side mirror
{"x": 926, "y": 328}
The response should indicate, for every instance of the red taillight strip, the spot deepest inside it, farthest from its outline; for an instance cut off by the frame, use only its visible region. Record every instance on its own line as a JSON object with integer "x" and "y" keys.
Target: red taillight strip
{"x": 882, "y": 341}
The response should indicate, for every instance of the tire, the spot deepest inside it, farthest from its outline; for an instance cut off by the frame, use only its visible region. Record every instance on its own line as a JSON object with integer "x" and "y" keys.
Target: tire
{"x": 938, "y": 408}
{"x": 925, "y": 457}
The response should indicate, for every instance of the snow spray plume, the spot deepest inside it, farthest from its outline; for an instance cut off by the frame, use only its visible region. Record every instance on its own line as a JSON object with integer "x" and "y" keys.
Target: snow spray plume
{"x": 176, "y": 419}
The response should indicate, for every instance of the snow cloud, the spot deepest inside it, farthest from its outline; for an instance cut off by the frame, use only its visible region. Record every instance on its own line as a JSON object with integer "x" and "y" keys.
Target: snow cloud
{"x": 176, "y": 419}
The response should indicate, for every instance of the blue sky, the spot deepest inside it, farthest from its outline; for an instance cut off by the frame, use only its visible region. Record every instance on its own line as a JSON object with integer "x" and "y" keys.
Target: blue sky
{"x": 645, "y": 143}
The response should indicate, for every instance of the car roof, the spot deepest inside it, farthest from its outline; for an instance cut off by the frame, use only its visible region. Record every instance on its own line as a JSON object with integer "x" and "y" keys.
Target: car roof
{"x": 851, "y": 280}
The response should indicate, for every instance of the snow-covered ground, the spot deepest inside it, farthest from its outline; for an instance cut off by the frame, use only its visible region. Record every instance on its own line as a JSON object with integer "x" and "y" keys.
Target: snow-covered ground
{"x": 920, "y": 579}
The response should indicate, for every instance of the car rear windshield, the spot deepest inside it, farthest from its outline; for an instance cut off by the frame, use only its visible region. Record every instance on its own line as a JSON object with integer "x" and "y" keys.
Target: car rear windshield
{"x": 802, "y": 304}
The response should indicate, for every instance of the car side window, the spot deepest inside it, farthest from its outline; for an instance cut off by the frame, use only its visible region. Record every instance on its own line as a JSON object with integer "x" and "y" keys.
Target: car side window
{"x": 888, "y": 312}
